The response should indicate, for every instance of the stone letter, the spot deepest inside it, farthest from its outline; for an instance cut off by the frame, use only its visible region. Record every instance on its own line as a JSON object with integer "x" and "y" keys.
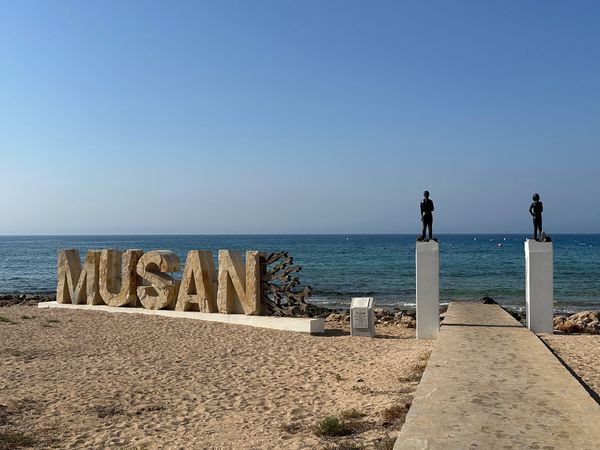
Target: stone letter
{"x": 159, "y": 290}
{"x": 198, "y": 290}
{"x": 118, "y": 277}
{"x": 239, "y": 289}
{"x": 78, "y": 285}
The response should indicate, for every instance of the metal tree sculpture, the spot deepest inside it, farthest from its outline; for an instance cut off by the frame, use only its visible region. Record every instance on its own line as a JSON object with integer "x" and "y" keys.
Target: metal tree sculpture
{"x": 281, "y": 294}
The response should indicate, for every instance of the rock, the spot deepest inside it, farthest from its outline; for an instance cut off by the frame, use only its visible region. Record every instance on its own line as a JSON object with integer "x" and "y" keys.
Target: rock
{"x": 334, "y": 317}
{"x": 559, "y": 321}
{"x": 317, "y": 311}
{"x": 581, "y": 322}
{"x": 408, "y": 322}
{"x": 513, "y": 313}
{"x": 488, "y": 301}
{"x": 382, "y": 315}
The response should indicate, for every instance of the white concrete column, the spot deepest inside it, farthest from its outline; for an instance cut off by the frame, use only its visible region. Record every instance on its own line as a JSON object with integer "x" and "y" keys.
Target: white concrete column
{"x": 539, "y": 286}
{"x": 428, "y": 289}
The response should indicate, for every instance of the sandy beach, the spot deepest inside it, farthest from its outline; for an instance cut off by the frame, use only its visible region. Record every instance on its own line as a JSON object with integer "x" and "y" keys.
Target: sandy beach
{"x": 78, "y": 379}
{"x": 581, "y": 352}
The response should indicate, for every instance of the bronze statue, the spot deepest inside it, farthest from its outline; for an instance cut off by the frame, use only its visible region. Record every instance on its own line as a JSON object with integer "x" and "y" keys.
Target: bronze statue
{"x": 426, "y": 216}
{"x": 536, "y": 210}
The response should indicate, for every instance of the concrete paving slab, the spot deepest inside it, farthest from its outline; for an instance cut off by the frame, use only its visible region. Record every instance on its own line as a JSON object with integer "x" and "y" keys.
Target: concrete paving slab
{"x": 492, "y": 384}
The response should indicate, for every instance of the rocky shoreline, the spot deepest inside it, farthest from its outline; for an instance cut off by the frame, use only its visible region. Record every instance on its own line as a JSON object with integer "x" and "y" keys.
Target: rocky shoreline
{"x": 403, "y": 318}
{"x": 25, "y": 299}
{"x": 583, "y": 322}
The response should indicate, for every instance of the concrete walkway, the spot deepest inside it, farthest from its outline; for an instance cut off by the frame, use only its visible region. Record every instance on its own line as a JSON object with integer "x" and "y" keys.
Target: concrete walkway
{"x": 492, "y": 384}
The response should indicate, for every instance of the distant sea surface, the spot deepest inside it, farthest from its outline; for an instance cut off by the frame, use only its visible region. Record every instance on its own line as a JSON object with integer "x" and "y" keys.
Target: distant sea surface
{"x": 340, "y": 267}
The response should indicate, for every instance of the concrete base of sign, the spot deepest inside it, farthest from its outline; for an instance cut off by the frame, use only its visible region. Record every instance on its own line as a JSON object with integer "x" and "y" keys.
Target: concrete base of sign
{"x": 539, "y": 286}
{"x": 428, "y": 289}
{"x": 296, "y": 324}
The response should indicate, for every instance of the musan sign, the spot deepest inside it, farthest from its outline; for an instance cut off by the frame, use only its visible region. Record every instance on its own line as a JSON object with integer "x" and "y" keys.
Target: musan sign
{"x": 134, "y": 278}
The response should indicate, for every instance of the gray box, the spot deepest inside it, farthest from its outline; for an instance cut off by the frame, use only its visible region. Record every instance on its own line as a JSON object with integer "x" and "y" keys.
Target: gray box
{"x": 362, "y": 317}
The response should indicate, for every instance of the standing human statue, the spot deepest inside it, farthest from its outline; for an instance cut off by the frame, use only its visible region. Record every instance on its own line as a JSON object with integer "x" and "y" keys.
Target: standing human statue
{"x": 426, "y": 215}
{"x": 536, "y": 210}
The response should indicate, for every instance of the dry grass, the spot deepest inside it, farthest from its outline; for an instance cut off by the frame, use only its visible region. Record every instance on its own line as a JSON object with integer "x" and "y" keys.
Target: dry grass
{"x": 420, "y": 366}
{"x": 107, "y": 410}
{"x": 394, "y": 413}
{"x": 10, "y": 440}
{"x": 413, "y": 377}
{"x": 364, "y": 390}
{"x": 292, "y": 428}
{"x": 345, "y": 445}
{"x": 347, "y": 423}
{"x": 387, "y": 443}
{"x": 332, "y": 426}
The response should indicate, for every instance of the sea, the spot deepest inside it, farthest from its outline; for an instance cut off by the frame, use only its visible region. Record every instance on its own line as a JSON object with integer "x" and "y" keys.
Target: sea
{"x": 339, "y": 267}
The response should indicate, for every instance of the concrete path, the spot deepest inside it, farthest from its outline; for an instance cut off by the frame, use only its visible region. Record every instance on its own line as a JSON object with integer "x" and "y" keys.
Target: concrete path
{"x": 492, "y": 384}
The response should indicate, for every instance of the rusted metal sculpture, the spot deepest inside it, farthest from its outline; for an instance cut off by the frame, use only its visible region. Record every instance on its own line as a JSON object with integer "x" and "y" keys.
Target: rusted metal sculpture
{"x": 282, "y": 294}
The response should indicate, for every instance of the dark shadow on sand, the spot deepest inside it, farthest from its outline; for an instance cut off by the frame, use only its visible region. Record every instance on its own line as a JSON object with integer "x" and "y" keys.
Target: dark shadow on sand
{"x": 332, "y": 332}
{"x": 335, "y": 332}
{"x": 385, "y": 336}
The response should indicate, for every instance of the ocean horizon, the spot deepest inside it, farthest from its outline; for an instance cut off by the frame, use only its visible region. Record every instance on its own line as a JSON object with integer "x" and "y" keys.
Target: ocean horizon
{"x": 342, "y": 266}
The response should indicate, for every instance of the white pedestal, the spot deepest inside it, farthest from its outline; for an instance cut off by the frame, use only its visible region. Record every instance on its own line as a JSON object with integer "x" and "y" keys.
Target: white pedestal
{"x": 362, "y": 317}
{"x": 428, "y": 289}
{"x": 539, "y": 286}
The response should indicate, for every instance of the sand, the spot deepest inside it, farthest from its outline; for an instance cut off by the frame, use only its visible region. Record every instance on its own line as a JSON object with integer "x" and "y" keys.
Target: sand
{"x": 84, "y": 379}
{"x": 581, "y": 352}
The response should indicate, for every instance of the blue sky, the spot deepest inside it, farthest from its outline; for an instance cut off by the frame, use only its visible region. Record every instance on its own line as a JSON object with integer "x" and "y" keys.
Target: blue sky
{"x": 199, "y": 117}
